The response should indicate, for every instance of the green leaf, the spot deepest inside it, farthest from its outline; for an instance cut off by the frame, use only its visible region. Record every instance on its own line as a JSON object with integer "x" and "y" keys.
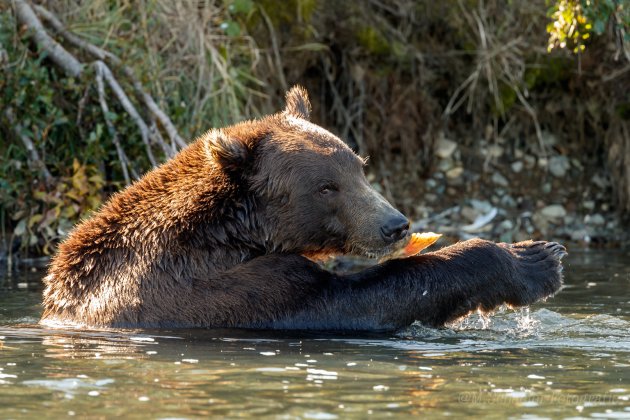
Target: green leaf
{"x": 599, "y": 27}
{"x": 242, "y": 6}
{"x": 231, "y": 28}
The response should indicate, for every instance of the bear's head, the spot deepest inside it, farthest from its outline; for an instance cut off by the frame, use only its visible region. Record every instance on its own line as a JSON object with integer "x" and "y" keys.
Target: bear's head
{"x": 308, "y": 183}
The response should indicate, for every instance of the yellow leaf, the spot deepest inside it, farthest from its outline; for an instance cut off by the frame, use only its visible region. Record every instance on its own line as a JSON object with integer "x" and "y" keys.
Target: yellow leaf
{"x": 73, "y": 195}
{"x": 36, "y": 218}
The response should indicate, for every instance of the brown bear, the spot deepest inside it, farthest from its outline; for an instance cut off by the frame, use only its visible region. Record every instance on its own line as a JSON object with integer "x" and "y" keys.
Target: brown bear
{"x": 223, "y": 235}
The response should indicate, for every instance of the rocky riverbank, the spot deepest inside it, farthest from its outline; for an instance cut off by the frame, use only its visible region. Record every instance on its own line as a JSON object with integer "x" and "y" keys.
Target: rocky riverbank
{"x": 502, "y": 193}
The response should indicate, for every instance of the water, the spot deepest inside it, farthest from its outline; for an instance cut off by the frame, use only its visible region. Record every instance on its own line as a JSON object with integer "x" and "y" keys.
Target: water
{"x": 566, "y": 358}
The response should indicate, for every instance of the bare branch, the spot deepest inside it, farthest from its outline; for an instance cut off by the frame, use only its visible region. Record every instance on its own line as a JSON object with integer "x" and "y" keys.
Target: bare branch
{"x": 58, "y": 54}
{"x": 124, "y": 161}
{"x": 104, "y": 55}
{"x": 36, "y": 161}
{"x": 56, "y": 24}
{"x": 128, "y": 106}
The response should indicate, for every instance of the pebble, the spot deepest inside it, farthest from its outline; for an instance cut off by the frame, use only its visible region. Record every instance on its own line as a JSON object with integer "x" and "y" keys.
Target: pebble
{"x": 444, "y": 148}
{"x": 455, "y": 173}
{"x": 481, "y": 206}
{"x": 558, "y": 166}
{"x": 507, "y": 201}
{"x": 499, "y": 179}
{"x": 595, "y": 219}
{"x": 445, "y": 165}
{"x": 580, "y": 235}
{"x": 506, "y": 225}
{"x": 495, "y": 151}
{"x": 554, "y": 211}
{"x": 517, "y": 166}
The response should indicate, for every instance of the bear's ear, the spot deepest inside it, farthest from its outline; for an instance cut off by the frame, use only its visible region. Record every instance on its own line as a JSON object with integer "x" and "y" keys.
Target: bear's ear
{"x": 298, "y": 104}
{"x": 228, "y": 151}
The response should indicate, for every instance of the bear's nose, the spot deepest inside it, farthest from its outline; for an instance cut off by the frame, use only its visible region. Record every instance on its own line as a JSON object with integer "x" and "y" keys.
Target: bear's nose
{"x": 395, "y": 229}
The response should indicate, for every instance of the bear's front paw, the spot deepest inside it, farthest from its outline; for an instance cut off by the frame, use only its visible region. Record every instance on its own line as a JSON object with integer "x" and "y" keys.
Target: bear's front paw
{"x": 540, "y": 269}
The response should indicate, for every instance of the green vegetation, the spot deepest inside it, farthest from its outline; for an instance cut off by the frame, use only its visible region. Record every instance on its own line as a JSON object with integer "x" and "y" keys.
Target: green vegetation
{"x": 574, "y": 21}
{"x": 466, "y": 68}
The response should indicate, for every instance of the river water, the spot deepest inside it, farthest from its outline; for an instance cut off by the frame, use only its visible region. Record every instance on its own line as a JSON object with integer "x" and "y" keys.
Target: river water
{"x": 566, "y": 358}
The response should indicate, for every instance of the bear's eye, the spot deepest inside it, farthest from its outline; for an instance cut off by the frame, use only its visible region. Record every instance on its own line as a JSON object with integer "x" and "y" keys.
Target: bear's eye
{"x": 328, "y": 188}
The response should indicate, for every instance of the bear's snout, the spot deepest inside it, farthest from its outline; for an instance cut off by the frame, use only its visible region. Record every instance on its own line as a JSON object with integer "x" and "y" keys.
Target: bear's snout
{"x": 395, "y": 228}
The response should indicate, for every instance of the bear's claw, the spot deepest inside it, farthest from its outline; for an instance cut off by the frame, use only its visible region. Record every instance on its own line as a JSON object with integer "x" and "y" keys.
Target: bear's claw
{"x": 540, "y": 266}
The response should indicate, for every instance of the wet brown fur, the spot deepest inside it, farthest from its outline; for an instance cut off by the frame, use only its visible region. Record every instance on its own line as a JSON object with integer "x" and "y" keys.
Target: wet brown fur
{"x": 216, "y": 237}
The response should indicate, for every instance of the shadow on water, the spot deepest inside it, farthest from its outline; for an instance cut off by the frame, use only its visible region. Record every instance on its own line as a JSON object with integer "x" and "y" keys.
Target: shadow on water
{"x": 568, "y": 357}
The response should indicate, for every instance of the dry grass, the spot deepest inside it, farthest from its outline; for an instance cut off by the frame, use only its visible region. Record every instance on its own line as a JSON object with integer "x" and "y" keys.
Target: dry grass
{"x": 389, "y": 76}
{"x": 181, "y": 51}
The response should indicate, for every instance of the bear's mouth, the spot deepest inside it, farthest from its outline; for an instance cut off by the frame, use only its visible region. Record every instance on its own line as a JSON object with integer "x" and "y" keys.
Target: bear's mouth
{"x": 373, "y": 253}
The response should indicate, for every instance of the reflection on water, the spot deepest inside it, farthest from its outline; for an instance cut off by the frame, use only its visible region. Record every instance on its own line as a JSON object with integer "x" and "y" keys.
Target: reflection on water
{"x": 569, "y": 357}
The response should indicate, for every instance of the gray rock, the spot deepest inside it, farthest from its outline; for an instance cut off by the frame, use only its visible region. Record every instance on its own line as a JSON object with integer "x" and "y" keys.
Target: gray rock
{"x": 506, "y": 225}
{"x": 554, "y": 211}
{"x": 588, "y": 205}
{"x": 558, "y": 166}
{"x": 445, "y": 165}
{"x": 444, "y": 148}
{"x": 481, "y": 206}
{"x": 455, "y": 173}
{"x": 580, "y": 235}
{"x": 508, "y": 201}
{"x": 517, "y": 166}
{"x": 495, "y": 151}
{"x": 595, "y": 219}
{"x": 499, "y": 179}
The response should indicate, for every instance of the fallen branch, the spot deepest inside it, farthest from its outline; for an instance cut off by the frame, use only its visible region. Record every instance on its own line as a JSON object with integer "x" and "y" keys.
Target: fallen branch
{"x": 124, "y": 161}
{"x": 58, "y": 54}
{"x": 35, "y": 159}
{"x": 73, "y": 67}
{"x": 108, "y": 57}
{"x": 129, "y": 108}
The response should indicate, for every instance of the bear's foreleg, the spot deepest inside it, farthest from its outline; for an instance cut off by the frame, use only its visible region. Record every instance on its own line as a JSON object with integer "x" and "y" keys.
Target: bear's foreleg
{"x": 433, "y": 288}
